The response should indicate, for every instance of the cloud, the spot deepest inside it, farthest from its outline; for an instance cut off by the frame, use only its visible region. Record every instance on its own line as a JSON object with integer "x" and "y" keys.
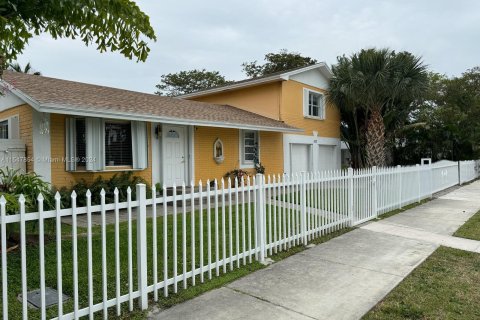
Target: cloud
{"x": 220, "y": 35}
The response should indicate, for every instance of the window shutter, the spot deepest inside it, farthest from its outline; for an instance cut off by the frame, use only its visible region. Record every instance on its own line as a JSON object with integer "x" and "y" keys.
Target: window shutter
{"x": 139, "y": 145}
{"x": 70, "y": 162}
{"x": 94, "y": 133}
{"x": 13, "y": 128}
{"x": 305, "y": 102}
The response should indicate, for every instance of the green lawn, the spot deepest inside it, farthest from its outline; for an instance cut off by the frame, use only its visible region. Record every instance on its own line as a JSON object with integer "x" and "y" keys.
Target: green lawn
{"x": 14, "y": 261}
{"x": 445, "y": 286}
{"x": 471, "y": 229}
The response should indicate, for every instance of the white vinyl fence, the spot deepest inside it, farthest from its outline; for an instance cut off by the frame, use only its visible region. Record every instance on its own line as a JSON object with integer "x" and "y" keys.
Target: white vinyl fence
{"x": 191, "y": 234}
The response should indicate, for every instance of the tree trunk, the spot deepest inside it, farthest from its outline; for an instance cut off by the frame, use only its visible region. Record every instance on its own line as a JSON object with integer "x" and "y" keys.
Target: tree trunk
{"x": 2, "y": 64}
{"x": 375, "y": 134}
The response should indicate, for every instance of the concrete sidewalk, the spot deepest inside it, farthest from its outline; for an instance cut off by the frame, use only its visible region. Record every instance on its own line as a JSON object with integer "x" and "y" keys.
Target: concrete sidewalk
{"x": 346, "y": 276}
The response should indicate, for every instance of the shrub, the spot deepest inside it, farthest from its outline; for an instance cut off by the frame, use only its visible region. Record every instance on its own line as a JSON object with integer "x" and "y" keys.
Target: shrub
{"x": 120, "y": 180}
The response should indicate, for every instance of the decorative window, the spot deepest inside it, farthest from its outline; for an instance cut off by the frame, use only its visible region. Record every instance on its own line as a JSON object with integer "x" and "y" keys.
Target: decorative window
{"x": 250, "y": 151}
{"x": 4, "y": 129}
{"x": 118, "y": 144}
{"x": 173, "y": 134}
{"x": 313, "y": 104}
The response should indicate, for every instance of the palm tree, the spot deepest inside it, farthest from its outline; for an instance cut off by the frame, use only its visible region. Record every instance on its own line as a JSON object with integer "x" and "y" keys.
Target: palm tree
{"x": 370, "y": 85}
{"x": 28, "y": 69}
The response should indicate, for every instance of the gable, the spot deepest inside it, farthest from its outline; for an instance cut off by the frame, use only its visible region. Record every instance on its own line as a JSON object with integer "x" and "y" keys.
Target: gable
{"x": 313, "y": 78}
{"x": 9, "y": 100}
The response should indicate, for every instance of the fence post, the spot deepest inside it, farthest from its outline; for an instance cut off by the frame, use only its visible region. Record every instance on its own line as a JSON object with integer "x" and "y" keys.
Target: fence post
{"x": 399, "y": 177}
{"x": 350, "y": 196}
{"x": 142, "y": 245}
{"x": 303, "y": 206}
{"x": 459, "y": 173}
{"x": 375, "y": 197}
{"x": 260, "y": 213}
{"x": 419, "y": 181}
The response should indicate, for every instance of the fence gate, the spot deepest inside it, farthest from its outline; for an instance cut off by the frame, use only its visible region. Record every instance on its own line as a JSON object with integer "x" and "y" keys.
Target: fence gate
{"x": 364, "y": 195}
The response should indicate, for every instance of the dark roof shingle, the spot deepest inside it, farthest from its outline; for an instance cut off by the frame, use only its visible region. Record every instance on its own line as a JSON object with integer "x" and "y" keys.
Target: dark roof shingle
{"x": 77, "y": 96}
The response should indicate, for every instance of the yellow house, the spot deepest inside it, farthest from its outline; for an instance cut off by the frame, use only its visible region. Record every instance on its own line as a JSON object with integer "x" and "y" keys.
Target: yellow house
{"x": 75, "y": 131}
{"x": 296, "y": 98}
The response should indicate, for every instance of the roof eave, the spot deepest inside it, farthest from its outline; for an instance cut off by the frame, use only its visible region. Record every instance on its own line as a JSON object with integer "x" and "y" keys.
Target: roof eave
{"x": 322, "y": 66}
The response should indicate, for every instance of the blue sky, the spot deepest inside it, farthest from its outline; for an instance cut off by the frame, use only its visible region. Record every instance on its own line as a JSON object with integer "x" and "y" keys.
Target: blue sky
{"x": 220, "y": 35}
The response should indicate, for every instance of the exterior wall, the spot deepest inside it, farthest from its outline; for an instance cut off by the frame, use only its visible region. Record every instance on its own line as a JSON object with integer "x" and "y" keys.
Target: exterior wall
{"x": 63, "y": 178}
{"x": 271, "y": 151}
{"x": 263, "y": 99}
{"x": 24, "y": 113}
{"x": 292, "y": 112}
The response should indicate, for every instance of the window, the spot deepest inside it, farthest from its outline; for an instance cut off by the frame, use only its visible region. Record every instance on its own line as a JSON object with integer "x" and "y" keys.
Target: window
{"x": 314, "y": 104}
{"x": 92, "y": 144}
{"x": 4, "y": 129}
{"x": 250, "y": 154}
{"x": 80, "y": 146}
{"x": 118, "y": 144}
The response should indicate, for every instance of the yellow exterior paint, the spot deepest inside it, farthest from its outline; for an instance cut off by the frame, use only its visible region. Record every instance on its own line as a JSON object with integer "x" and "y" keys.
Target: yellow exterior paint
{"x": 25, "y": 121}
{"x": 63, "y": 178}
{"x": 291, "y": 110}
{"x": 206, "y": 167}
{"x": 263, "y": 99}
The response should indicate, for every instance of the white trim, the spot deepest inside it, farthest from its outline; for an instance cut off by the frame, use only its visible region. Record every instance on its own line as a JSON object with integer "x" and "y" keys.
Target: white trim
{"x": 77, "y": 111}
{"x": 322, "y": 66}
{"x": 241, "y": 148}
{"x": 42, "y": 164}
{"x": 306, "y": 103}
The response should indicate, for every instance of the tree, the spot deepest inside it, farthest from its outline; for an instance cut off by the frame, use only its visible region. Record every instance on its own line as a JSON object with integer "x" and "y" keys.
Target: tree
{"x": 446, "y": 125}
{"x": 183, "y": 82}
{"x": 28, "y": 69}
{"x": 117, "y": 25}
{"x": 277, "y": 62}
{"x": 375, "y": 88}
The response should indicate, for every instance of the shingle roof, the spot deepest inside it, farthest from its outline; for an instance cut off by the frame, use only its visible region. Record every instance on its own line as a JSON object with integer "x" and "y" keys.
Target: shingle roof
{"x": 63, "y": 96}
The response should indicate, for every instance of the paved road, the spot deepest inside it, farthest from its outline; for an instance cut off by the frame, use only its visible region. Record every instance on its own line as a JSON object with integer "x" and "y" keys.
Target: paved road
{"x": 345, "y": 277}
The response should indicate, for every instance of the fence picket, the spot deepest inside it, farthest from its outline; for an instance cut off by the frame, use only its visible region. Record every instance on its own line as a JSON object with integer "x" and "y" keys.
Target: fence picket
{"x": 288, "y": 210}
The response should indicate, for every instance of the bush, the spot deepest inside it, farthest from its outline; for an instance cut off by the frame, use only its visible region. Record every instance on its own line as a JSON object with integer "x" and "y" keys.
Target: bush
{"x": 13, "y": 184}
{"x": 120, "y": 180}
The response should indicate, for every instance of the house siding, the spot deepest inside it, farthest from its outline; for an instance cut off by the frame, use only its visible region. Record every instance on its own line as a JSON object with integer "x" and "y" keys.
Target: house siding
{"x": 271, "y": 151}
{"x": 25, "y": 119}
{"x": 63, "y": 178}
{"x": 263, "y": 100}
{"x": 292, "y": 112}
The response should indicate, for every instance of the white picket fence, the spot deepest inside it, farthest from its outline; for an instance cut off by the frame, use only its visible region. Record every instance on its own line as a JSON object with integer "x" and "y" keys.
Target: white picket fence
{"x": 194, "y": 234}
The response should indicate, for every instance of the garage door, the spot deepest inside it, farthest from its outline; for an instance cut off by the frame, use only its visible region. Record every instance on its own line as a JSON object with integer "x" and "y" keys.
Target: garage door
{"x": 326, "y": 158}
{"x": 300, "y": 158}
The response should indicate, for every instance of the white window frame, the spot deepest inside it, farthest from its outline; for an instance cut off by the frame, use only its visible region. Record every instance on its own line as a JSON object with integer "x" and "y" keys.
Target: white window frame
{"x": 247, "y": 164}
{"x": 125, "y": 166}
{"x": 306, "y": 102}
{"x": 13, "y": 131}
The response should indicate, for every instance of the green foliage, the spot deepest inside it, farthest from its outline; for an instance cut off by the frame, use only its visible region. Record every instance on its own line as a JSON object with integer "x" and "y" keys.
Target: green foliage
{"x": 183, "y": 82}
{"x": 259, "y": 168}
{"x": 236, "y": 173}
{"x": 446, "y": 125}
{"x": 121, "y": 181}
{"x": 277, "y": 62}
{"x": 13, "y": 184}
{"x": 375, "y": 81}
{"x": 117, "y": 25}
{"x": 27, "y": 69}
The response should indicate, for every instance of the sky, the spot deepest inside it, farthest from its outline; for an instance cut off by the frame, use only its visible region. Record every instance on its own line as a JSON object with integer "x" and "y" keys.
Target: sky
{"x": 221, "y": 35}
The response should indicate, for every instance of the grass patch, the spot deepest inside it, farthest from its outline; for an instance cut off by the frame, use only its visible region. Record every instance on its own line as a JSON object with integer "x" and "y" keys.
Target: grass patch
{"x": 405, "y": 208}
{"x": 445, "y": 286}
{"x": 471, "y": 228}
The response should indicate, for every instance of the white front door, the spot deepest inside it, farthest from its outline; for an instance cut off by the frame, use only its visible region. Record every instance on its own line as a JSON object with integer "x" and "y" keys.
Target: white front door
{"x": 300, "y": 157}
{"x": 174, "y": 155}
